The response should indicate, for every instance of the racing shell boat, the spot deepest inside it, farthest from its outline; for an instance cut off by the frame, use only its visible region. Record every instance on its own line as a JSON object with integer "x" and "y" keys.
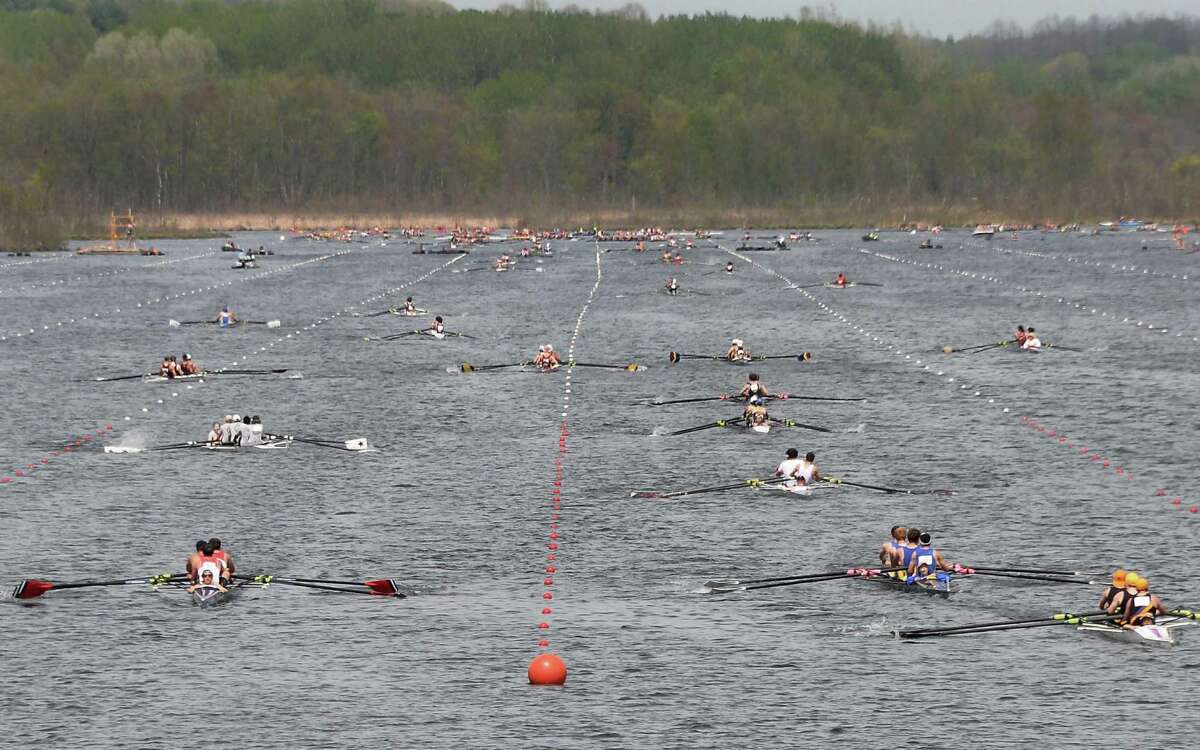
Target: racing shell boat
{"x": 1163, "y": 633}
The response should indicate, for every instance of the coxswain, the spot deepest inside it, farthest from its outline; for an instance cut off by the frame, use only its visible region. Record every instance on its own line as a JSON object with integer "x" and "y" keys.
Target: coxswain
{"x": 438, "y": 328}
{"x": 1032, "y": 342}
{"x": 193, "y": 560}
{"x": 729, "y": 267}
{"x": 753, "y": 387}
{"x": 214, "y": 435}
{"x": 226, "y": 318}
{"x": 206, "y": 581}
{"x": 188, "y": 366}
{"x": 1020, "y": 336}
{"x": 840, "y": 280}
{"x": 1140, "y": 607}
{"x": 223, "y": 556}
{"x": 672, "y": 287}
{"x": 790, "y": 469}
{"x": 891, "y": 548}
{"x": 410, "y": 307}
{"x": 1113, "y": 598}
{"x": 925, "y": 560}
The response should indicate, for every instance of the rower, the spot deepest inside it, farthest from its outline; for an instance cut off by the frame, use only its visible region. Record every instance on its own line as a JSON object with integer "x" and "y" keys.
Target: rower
{"x": 214, "y": 435}
{"x": 409, "y": 307}
{"x": 1142, "y": 606}
{"x": 193, "y": 560}
{"x": 552, "y": 359}
{"x": 790, "y": 468}
{"x": 753, "y": 387}
{"x": 244, "y": 434}
{"x": 672, "y": 287}
{"x": 438, "y": 328}
{"x": 1032, "y": 342}
{"x": 737, "y": 351}
{"x": 891, "y": 548}
{"x": 228, "y": 429}
{"x": 755, "y": 412}
{"x": 925, "y": 560}
{"x": 905, "y": 552}
{"x": 729, "y": 267}
{"x": 209, "y": 562}
{"x": 168, "y": 368}
{"x": 678, "y": 259}
{"x": 1020, "y": 336}
{"x": 256, "y": 425}
{"x": 226, "y": 318}
{"x": 666, "y": 256}
{"x": 189, "y": 366}
{"x": 1113, "y": 598}
{"x": 222, "y": 555}
{"x": 841, "y": 279}
{"x": 809, "y": 469}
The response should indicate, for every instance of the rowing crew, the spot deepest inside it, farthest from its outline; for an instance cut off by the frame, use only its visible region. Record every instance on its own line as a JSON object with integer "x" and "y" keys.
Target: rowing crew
{"x": 235, "y": 430}
{"x": 173, "y": 368}
{"x": 209, "y": 565}
{"x": 1027, "y": 339}
{"x": 225, "y": 317}
{"x": 910, "y": 549}
{"x": 503, "y": 262}
{"x": 667, "y": 257}
{"x": 672, "y": 287}
{"x": 801, "y": 472}
{"x": 1129, "y": 597}
{"x": 738, "y": 352}
{"x": 546, "y": 358}
{"x": 840, "y": 280}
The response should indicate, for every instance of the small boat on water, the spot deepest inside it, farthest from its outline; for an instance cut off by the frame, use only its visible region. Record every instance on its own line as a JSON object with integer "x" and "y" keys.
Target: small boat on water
{"x": 270, "y": 443}
{"x": 984, "y": 230}
{"x": 942, "y": 586}
{"x": 121, "y": 237}
{"x": 1163, "y": 633}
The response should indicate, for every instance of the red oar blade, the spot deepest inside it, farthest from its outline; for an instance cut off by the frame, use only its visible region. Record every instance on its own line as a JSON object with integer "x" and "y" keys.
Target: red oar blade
{"x": 384, "y": 587}
{"x": 31, "y": 589}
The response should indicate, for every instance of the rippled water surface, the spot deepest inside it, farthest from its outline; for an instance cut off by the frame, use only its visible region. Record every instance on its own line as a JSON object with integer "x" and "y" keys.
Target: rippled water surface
{"x": 456, "y": 504}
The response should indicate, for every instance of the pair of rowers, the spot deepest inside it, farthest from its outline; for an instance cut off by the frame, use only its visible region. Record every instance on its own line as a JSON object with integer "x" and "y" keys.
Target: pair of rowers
{"x": 912, "y": 551}
{"x": 1130, "y": 599}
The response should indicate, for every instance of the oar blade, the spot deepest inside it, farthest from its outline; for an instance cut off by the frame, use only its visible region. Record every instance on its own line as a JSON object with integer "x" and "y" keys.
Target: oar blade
{"x": 31, "y": 589}
{"x": 384, "y": 587}
{"x": 174, "y": 323}
{"x": 673, "y": 357}
{"x": 467, "y": 367}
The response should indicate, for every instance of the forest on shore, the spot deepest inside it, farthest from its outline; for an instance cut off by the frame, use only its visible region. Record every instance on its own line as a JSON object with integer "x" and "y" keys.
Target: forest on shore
{"x": 410, "y": 106}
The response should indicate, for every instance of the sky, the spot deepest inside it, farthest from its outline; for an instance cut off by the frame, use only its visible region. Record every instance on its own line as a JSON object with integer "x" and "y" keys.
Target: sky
{"x": 932, "y": 17}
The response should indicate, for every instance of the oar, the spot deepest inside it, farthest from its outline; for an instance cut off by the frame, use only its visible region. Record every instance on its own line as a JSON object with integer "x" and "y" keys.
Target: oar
{"x": 889, "y": 490}
{"x": 1059, "y": 346}
{"x": 632, "y": 367}
{"x": 655, "y": 495}
{"x": 674, "y": 357}
{"x": 864, "y": 283}
{"x": 736, "y": 397}
{"x": 1024, "y": 576}
{"x": 1030, "y": 570}
{"x": 267, "y": 323}
{"x": 121, "y": 377}
{"x": 381, "y": 587}
{"x": 709, "y": 426}
{"x": 851, "y": 573}
{"x": 468, "y": 367}
{"x": 1059, "y": 618}
{"x": 952, "y": 350}
{"x": 33, "y": 588}
{"x": 171, "y": 447}
{"x": 731, "y": 583}
{"x": 354, "y": 445}
{"x": 991, "y": 346}
{"x": 793, "y": 423}
{"x": 393, "y": 336}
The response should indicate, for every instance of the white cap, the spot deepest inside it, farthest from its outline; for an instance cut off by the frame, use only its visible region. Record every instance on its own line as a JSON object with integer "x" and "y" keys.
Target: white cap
{"x": 549, "y": 348}
{"x": 236, "y": 418}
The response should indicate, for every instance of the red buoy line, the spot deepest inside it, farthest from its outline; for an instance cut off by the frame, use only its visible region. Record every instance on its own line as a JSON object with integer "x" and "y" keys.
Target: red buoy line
{"x": 149, "y": 302}
{"x": 78, "y": 441}
{"x": 1112, "y": 316}
{"x": 949, "y": 378}
{"x": 548, "y": 668}
{"x": 1128, "y": 270}
{"x": 103, "y": 274}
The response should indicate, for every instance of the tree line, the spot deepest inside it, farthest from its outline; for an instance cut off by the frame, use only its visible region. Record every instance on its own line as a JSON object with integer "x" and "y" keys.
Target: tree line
{"x": 202, "y": 105}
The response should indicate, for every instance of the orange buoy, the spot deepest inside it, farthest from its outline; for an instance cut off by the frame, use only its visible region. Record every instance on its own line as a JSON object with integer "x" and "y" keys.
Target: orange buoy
{"x": 547, "y": 669}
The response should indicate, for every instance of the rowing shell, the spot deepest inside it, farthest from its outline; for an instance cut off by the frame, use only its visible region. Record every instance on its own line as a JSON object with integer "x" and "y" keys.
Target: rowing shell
{"x": 847, "y": 285}
{"x": 176, "y": 379}
{"x": 279, "y": 444}
{"x": 938, "y": 587}
{"x": 1161, "y": 634}
{"x": 795, "y": 489}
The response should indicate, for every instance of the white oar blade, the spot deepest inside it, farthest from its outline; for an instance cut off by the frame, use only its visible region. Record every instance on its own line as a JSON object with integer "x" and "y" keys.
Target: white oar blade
{"x": 173, "y": 323}
{"x": 121, "y": 449}
{"x": 273, "y": 324}
{"x": 357, "y": 444}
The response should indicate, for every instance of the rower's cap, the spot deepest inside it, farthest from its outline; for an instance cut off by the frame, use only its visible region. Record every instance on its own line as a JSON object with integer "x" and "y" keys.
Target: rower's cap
{"x": 237, "y": 418}
{"x": 224, "y": 308}
{"x": 549, "y": 348}
{"x": 186, "y": 355}
{"x": 1143, "y": 584}
{"x": 925, "y": 538}
{"x": 1119, "y": 577}
{"x": 1131, "y": 578}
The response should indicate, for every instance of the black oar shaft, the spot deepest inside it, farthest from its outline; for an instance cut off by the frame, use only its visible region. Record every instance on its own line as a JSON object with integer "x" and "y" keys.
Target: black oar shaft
{"x": 1054, "y": 619}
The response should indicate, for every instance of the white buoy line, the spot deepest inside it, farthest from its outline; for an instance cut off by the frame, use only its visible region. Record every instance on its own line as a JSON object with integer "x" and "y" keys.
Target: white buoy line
{"x": 979, "y": 276}
{"x": 31, "y": 261}
{"x": 103, "y": 274}
{"x": 1130, "y": 269}
{"x": 149, "y": 302}
{"x": 978, "y": 393}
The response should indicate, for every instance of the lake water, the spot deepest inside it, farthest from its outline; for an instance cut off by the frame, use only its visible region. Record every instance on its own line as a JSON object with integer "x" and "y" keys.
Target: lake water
{"x": 457, "y": 502}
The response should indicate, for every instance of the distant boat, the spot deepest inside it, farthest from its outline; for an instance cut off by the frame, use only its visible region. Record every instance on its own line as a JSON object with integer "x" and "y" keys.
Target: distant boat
{"x": 984, "y": 230}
